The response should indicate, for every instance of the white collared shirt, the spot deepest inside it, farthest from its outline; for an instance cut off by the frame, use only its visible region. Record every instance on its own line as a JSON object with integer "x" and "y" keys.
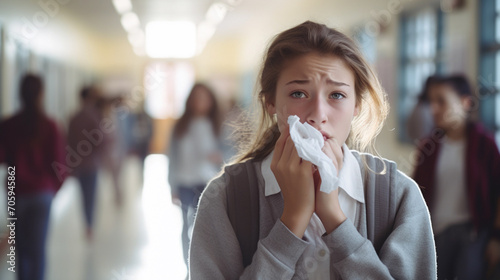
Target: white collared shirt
{"x": 317, "y": 256}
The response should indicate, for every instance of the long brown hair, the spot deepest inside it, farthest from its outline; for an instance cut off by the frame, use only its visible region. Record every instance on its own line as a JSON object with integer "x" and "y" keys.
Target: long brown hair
{"x": 213, "y": 115}
{"x": 306, "y": 38}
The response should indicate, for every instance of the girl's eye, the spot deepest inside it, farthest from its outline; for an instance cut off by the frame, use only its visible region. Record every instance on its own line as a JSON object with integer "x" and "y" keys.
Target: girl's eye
{"x": 298, "y": 94}
{"x": 337, "y": 95}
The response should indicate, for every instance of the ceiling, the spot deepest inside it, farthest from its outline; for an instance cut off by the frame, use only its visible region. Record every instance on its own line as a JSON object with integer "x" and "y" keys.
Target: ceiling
{"x": 101, "y": 17}
{"x": 94, "y": 26}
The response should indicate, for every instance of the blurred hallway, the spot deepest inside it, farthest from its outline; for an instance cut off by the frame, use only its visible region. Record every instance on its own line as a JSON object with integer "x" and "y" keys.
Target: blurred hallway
{"x": 128, "y": 50}
{"x": 140, "y": 241}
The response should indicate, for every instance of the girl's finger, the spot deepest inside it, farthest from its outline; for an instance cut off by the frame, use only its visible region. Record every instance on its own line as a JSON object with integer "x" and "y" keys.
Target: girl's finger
{"x": 333, "y": 150}
{"x": 279, "y": 146}
{"x": 288, "y": 150}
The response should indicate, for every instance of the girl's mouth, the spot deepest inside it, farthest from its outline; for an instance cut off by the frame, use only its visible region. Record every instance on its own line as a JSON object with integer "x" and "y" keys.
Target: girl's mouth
{"x": 326, "y": 136}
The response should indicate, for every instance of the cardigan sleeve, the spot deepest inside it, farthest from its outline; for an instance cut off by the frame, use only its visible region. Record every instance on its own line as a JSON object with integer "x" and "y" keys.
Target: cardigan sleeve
{"x": 407, "y": 253}
{"x": 215, "y": 252}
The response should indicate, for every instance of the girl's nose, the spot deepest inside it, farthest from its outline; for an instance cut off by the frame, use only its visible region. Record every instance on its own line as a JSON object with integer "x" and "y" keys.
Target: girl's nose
{"x": 317, "y": 112}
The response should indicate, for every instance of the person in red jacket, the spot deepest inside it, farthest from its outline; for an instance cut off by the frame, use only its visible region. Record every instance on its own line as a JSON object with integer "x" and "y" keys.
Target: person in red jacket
{"x": 458, "y": 169}
{"x": 31, "y": 142}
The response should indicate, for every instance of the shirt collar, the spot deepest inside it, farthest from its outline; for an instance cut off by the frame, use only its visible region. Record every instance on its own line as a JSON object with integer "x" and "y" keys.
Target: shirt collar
{"x": 350, "y": 176}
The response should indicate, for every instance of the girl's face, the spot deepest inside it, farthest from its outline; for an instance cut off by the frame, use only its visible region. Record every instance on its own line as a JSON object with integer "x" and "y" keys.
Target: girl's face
{"x": 448, "y": 108}
{"x": 201, "y": 102}
{"x": 319, "y": 89}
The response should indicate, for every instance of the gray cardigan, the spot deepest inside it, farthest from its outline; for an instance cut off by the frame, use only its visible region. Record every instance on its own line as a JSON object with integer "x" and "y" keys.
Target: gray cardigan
{"x": 407, "y": 252}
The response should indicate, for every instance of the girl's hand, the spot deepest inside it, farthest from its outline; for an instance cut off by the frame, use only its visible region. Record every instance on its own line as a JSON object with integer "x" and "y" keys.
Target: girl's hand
{"x": 295, "y": 179}
{"x": 327, "y": 205}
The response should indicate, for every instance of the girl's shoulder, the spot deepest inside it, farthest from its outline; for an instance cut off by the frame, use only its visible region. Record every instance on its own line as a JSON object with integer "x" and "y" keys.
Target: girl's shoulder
{"x": 380, "y": 171}
{"x": 236, "y": 181}
{"x": 388, "y": 189}
{"x": 373, "y": 163}
{"x": 246, "y": 173}
{"x": 214, "y": 195}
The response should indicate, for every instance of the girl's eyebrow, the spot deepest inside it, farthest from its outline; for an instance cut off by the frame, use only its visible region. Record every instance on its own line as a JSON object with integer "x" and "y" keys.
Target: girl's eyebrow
{"x": 300, "y": 82}
{"x": 329, "y": 81}
{"x": 337, "y": 83}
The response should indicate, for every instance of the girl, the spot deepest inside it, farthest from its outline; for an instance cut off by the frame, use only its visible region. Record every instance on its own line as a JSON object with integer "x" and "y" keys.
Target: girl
{"x": 375, "y": 225}
{"x": 194, "y": 156}
{"x": 458, "y": 169}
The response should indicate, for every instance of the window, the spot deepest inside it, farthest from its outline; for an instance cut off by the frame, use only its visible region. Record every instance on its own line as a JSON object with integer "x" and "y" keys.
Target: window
{"x": 366, "y": 44}
{"x": 421, "y": 33}
{"x": 489, "y": 68}
{"x": 62, "y": 85}
{"x": 16, "y": 58}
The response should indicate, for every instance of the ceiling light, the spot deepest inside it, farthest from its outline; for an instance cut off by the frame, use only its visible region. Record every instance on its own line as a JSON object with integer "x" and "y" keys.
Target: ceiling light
{"x": 139, "y": 51}
{"x": 171, "y": 39}
{"x": 122, "y": 6}
{"x": 136, "y": 37}
{"x": 205, "y": 31}
{"x": 216, "y": 12}
{"x": 130, "y": 21}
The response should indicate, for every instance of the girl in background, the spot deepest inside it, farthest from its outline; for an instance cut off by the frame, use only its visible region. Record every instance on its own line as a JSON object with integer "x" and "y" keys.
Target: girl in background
{"x": 194, "y": 154}
{"x": 458, "y": 168}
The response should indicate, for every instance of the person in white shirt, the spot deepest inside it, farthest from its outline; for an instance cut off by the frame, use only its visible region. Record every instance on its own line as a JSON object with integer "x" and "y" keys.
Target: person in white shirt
{"x": 194, "y": 153}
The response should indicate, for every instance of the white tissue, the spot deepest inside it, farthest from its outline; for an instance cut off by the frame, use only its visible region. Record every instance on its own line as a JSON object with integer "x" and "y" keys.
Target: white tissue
{"x": 308, "y": 142}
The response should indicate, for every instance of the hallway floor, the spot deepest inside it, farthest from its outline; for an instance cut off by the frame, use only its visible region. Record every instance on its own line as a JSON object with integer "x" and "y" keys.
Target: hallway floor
{"x": 139, "y": 241}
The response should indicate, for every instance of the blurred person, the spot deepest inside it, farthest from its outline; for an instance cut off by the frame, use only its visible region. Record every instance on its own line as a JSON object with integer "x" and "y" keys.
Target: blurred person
{"x": 2, "y": 154}
{"x": 142, "y": 133}
{"x": 117, "y": 140}
{"x": 458, "y": 169}
{"x": 420, "y": 122}
{"x": 194, "y": 154}
{"x": 32, "y": 142}
{"x": 86, "y": 139}
{"x": 373, "y": 224}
